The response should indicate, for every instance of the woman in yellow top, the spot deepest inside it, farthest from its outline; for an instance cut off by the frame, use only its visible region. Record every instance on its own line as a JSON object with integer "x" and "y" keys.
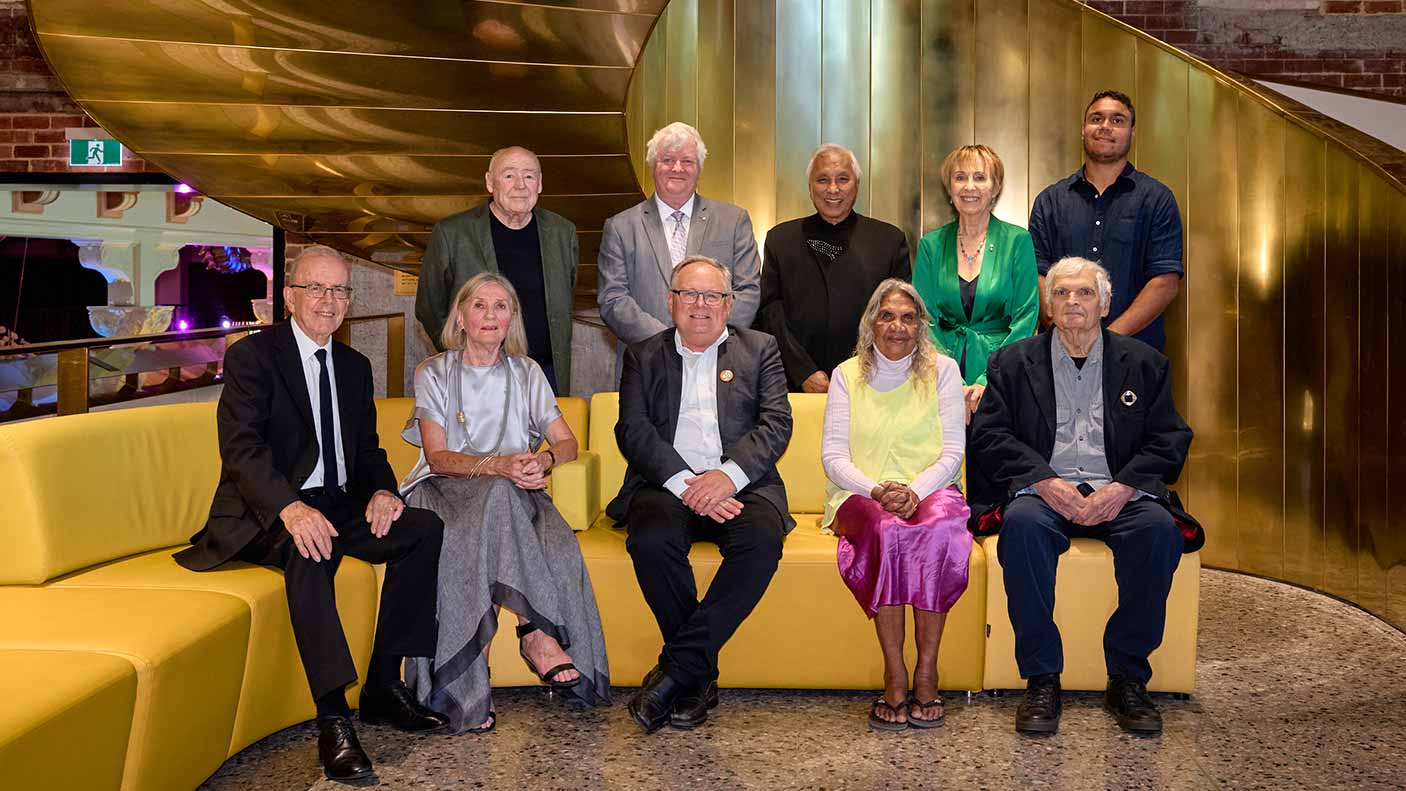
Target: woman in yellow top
{"x": 892, "y": 449}
{"x": 977, "y": 273}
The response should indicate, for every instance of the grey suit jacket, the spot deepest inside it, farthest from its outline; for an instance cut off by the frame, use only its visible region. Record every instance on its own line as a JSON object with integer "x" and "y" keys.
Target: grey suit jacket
{"x": 634, "y": 266}
{"x": 462, "y": 246}
{"x": 754, "y": 415}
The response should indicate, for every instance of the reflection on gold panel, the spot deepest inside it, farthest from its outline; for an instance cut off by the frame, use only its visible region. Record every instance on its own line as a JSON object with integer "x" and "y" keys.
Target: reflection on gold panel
{"x": 1342, "y": 417}
{"x": 682, "y": 76}
{"x": 715, "y": 96}
{"x": 947, "y": 97}
{"x": 1305, "y": 321}
{"x": 654, "y": 67}
{"x": 1109, "y": 58}
{"x": 1374, "y": 539}
{"x": 1211, "y": 218}
{"x": 1391, "y": 546}
{"x": 1003, "y": 111}
{"x": 1055, "y": 109}
{"x": 1260, "y": 513}
{"x": 896, "y": 146}
{"x": 798, "y": 101}
{"x": 755, "y": 173}
{"x": 845, "y": 44}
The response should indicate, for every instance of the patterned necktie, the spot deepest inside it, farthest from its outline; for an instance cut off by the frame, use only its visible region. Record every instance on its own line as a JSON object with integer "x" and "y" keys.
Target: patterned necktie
{"x": 328, "y": 441}
{"x": 678, "y": 241}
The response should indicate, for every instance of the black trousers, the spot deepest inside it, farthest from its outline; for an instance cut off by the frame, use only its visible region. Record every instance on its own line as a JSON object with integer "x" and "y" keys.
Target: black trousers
{"x": 406, "y": 625}
{"x": 1146, "y": 550}
{"x": 661, "y": 530}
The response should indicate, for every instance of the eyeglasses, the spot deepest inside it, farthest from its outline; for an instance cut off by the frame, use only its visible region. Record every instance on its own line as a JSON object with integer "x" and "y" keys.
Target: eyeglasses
{"x": 1083, "y": 292}
{"x": 318, "y": 291}
{"x": 710, "y": 298}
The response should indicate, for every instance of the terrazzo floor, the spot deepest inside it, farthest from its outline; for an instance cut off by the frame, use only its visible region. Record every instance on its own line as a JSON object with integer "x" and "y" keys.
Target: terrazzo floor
{"x": 1294, "y": 690}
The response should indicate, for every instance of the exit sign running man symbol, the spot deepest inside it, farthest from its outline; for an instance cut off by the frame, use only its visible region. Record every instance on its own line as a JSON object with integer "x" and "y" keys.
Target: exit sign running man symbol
{"x": 94, "y": 152}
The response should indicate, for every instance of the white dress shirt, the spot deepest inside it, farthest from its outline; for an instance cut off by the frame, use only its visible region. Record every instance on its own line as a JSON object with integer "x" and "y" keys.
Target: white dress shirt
{"x": 311, "y": 373}
{"x": 697, "y": 438}
{"x": 666, "y": 214}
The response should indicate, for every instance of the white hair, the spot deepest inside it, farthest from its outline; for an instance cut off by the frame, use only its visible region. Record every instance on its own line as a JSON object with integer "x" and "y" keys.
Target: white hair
{"x": 834, "y": 149}
{"x": 706, "y": 261}
{"x": 290, "y": 269}
{"x": 674, "y": 136}
{"x": 1073, "y": 266}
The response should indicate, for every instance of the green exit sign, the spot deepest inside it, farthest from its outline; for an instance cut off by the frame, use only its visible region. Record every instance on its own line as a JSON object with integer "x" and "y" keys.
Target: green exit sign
{"x": 94, "y": 152}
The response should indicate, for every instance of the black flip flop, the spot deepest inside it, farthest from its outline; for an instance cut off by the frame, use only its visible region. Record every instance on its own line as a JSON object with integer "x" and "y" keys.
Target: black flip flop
{"x": 922, "y": 722}
{"x": 877, "y": 723}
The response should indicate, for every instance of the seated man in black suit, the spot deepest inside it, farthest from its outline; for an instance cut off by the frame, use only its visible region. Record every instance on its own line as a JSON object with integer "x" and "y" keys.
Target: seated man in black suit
{"x": 304, "y": 482}
{"x": 703, "y": 419}
{"x": 1079, "y": 437}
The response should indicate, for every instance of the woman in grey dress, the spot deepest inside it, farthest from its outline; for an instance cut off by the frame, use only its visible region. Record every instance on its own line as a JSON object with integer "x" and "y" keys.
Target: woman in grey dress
{"x": 481, "y": 407}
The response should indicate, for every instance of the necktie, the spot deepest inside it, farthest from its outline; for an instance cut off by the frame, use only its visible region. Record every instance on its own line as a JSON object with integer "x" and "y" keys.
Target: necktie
{"x": 329, "y": 431}
{"x": 678, "y": 242}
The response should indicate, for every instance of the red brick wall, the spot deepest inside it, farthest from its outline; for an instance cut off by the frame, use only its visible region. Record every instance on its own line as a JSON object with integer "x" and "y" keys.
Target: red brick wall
{"x": 35, "y": 112}
{"x": 1326, "y": 45}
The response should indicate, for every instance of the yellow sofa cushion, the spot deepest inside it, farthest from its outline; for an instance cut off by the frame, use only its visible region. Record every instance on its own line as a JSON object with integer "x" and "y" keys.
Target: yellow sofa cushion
{"x": 187, "y": 648}
{"x": 1085, "y": 596}
{"x": 85, "y": 489}
{"x": 274, "y": 691}
{"x": 66, "y": 719}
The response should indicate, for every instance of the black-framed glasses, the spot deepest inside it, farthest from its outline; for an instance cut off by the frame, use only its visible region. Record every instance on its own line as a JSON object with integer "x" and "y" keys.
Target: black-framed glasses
{"x": 691, "y": 296}
{"x": 318, "y": 291}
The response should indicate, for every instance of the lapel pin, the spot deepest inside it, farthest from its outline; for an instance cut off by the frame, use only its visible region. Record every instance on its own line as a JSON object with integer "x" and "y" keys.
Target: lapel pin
{"x": 1128, "y": 398}
{"x": 725, "y": 375}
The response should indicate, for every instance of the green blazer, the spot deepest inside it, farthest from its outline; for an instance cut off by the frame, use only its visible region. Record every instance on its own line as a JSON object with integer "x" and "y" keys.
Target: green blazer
{"x": 462, "y": 246}
{"x": 1007, "y": 304}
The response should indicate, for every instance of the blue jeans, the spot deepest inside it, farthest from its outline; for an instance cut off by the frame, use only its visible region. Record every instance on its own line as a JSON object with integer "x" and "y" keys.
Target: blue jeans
{"x": 1146, "y": 550}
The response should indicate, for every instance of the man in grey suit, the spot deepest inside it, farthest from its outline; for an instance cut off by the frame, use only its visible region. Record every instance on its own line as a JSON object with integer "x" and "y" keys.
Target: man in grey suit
{"x": 641, "y": 246}
{"x": 703, "y": 418}
{"x": 534, "y": 248}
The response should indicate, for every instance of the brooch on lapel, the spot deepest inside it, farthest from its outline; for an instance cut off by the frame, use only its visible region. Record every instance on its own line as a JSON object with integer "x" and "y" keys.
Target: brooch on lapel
{"x": 725, "y": 375}
{"x": 1128, "y": 398}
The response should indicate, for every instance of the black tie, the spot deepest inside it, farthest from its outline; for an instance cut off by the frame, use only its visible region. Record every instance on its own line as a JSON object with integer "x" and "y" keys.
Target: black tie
{"x": 329, "y": 431}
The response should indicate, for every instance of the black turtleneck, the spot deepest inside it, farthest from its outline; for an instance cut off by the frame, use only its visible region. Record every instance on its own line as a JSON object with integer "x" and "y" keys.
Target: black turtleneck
{"x": 828, "y": 242}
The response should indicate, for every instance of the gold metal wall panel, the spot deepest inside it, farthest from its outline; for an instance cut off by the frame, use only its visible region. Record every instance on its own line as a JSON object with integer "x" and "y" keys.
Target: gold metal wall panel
{"x": 527, "y": 32}
{"x": 798, "y": 103}
{"x": 1109, "y": 59}
{"x": 1390, "y": 548}
{"x": 716, "y": 54}
{"x": 1260, "y": 512}
{"x": 1374, "y": 539}
{"x": 1212, "y": 221}
{"x": 754, "y": 171}
{"x": 653, "y": 88}
{"x": 948, "y": 97}
{"x": 846, "y": 83}
{"x": 1003, "y": 113}
{"x": 1342, "y": 416}
{"x": 1057, "y": 108}
{"x": 1161, "y": 128}
{"x": 1305, "y": 323}
{"x": 682, "y": 76}
{"x": 895, "y": 143}
{"x": 196, "y": 74}
{"x": 415, "y": 214}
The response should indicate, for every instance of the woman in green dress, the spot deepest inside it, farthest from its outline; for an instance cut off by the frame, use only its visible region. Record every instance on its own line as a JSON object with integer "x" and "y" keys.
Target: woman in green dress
{"x": 977, "y": 273}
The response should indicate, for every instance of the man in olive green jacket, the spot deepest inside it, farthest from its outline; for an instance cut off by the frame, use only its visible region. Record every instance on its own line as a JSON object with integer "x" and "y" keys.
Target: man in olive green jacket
{"x": 534, "y": 248}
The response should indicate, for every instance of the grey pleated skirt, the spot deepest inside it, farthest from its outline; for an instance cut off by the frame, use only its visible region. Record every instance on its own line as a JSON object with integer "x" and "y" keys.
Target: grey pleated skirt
{"x": 508, "y": 547}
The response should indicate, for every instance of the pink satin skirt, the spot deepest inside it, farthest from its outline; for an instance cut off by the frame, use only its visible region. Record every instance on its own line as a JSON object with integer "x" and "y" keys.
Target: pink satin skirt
{"x": 920, "y": 561}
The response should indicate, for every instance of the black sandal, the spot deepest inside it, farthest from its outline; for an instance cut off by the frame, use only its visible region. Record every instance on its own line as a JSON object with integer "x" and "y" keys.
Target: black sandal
{"x": 492, "y": 723}
{"x": 923, "y": 722}
{"x": 548, "y": 677}
{"x": 877, "y": 723}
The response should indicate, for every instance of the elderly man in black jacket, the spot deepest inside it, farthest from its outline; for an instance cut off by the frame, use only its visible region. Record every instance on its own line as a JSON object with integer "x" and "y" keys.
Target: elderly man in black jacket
{"x": 1079, "y": 437}
{"x": 703, "y": 419}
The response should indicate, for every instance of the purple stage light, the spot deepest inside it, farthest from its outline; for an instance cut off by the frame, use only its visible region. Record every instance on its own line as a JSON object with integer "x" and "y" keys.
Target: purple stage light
{"x": 184, "y": 189}
{"x": 225, "y": 323}
{"x": 182, "y": 325}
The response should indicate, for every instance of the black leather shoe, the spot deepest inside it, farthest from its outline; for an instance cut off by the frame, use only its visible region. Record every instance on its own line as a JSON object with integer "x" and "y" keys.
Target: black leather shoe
{"x": 691, "y": 708}
{"x": 339, "y": 751}
{"x": 1039, "y": 712}
{"x": 1129, "y": 702}
{"x": 394, "y": 705}
{"x": 654, "y": 703}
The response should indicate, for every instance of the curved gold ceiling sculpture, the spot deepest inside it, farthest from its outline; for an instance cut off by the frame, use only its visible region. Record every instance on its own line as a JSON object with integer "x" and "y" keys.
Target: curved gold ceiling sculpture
{"x": 360, "y": 124}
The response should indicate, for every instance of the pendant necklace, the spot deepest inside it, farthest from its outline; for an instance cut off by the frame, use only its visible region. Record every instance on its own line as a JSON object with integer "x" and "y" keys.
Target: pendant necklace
{"x": 963, "y": 247}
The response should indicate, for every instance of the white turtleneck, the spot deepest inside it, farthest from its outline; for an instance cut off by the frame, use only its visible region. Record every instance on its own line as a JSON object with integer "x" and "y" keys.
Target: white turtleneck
{"x": 888, "y": 374}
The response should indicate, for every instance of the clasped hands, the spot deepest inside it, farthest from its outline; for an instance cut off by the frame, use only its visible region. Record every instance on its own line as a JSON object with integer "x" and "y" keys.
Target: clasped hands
{"x": 1097, "y": 508}
{"x": 525, "y": 470}
{"x": 312, "y": 533}
{"x": 711, "y": 495}
{"x": 896, "y": 498}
